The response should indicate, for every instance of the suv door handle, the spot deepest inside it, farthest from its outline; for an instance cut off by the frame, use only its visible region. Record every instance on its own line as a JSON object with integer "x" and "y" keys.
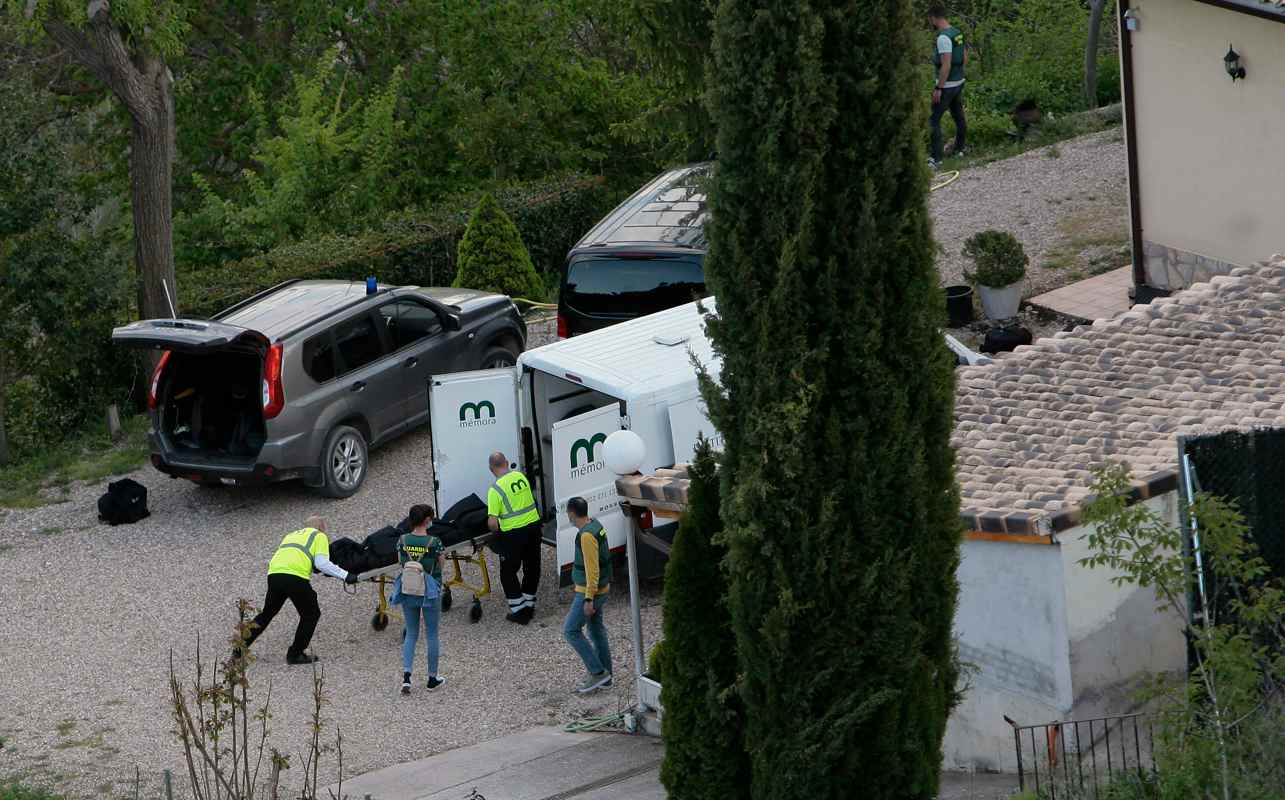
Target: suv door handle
{"x": 410, "y": 362}
{"x": 358, "y": 386}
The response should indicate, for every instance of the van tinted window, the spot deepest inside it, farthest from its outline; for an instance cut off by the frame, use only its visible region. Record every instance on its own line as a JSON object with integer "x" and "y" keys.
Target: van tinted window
{"x": 632, "y": 286}
{"x": 319, "y": 358}
{"x": 358, "y": 342}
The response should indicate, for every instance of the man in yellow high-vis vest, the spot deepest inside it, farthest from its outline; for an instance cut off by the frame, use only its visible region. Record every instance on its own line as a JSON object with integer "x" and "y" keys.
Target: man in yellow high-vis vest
{"x": 300, "y": 554}
{"x": 511, "y": 510}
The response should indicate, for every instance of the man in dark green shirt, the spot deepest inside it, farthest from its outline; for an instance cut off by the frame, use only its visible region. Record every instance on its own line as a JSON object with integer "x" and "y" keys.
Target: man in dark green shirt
{"x": 949, "y": 59}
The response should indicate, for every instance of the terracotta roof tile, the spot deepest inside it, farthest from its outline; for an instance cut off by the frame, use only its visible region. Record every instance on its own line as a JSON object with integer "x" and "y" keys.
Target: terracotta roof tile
{"x": 1031, "y": 426}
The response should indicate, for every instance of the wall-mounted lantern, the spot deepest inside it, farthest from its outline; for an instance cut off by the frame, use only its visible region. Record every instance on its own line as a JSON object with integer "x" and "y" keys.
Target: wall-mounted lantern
{"x": 1232, "y": 62}
{"x": 1131, "y": 20}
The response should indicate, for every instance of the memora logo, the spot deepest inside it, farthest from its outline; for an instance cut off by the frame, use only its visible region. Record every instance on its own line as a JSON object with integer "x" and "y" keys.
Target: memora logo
{"x": 586, "y": 446}
{"x": 476, "y": 410}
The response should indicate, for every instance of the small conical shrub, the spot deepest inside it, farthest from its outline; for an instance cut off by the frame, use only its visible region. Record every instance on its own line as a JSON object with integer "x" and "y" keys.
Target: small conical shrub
{"x": 704, "y": 756}
{"x": 492, "y": 256}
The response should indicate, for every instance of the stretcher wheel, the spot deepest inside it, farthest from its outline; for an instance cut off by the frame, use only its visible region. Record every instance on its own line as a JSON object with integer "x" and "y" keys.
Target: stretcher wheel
{"x": 446, "y": 599}
{"x": 475, "y": 612}
{"x": 379, "y": 621}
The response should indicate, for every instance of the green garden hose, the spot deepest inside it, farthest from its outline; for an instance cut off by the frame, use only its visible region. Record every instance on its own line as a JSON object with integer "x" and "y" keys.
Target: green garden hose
{"x": 590, "y": 724}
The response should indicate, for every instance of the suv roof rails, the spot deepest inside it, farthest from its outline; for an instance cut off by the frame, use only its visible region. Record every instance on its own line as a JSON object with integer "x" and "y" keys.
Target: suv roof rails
{"x": 255, "y": 298}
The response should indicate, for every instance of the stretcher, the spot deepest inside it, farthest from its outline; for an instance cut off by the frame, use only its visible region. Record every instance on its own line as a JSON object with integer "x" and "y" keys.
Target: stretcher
{"x": 470, "y": 551}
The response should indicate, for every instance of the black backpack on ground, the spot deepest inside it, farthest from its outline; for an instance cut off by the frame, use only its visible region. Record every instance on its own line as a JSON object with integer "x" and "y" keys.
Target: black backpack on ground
{"x": 125, "y": 502}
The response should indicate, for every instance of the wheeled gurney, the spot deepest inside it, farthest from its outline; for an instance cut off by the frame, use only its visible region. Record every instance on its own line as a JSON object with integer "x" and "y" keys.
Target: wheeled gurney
{"x": 468, "y": 551}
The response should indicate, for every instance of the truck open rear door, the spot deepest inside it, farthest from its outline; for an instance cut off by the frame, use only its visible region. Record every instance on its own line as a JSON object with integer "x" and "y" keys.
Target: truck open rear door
{"x": 579, "y": 471}
{"x": 473, "y": 414}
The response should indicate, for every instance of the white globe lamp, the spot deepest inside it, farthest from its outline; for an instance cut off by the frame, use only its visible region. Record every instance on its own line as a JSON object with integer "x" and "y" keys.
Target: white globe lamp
{"x": 624, "y": 452}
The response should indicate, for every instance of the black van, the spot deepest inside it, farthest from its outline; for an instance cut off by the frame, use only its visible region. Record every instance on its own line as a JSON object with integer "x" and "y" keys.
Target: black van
{"x": 645, "y": 256}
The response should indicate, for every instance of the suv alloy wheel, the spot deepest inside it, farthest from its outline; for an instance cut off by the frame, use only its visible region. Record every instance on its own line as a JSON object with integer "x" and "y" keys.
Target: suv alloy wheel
{"x": 343, "y": 462}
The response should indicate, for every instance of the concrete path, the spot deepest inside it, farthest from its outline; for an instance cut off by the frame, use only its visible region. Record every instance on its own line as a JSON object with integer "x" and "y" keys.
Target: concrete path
{"x": 1100, "y": 297}
{"x": 547, "y": 764}
{"x": 540, "y": 764}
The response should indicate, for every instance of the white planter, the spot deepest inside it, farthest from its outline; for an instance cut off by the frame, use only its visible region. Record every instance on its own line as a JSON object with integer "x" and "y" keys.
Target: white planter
{"x": 649, "y": 692}
{"x": 1002, "y": 302}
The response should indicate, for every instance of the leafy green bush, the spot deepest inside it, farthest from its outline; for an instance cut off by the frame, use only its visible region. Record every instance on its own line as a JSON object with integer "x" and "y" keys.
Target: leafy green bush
{"x": 418, "y": 248}
{"x": 492, "y": 256}
{"x": 998, "y": 256}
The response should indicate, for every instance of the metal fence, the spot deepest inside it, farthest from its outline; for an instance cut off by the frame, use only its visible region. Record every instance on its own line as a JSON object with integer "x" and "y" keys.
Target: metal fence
{"x": 1078, "y": 759}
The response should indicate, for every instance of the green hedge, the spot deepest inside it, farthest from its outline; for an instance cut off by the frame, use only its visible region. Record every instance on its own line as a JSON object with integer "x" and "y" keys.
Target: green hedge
{"x": 418, "y": 248}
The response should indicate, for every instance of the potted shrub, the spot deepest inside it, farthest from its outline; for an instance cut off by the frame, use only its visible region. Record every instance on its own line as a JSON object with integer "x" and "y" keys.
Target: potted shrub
{"x": 1000, "y": 264}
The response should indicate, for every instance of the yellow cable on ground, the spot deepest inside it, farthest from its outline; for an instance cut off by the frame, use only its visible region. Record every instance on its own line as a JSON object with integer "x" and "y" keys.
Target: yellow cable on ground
{"x": 534, "y": 304}
{"x": 954, "y": 176}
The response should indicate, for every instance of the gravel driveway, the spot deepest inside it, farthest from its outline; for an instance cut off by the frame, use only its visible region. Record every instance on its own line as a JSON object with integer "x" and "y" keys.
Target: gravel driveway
{"x": 92, "y": 613}
{"x": 1063, "y": 202}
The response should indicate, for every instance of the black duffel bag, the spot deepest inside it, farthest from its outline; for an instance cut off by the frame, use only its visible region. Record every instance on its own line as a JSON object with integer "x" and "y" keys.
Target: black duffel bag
{"x": 124, "y": 503}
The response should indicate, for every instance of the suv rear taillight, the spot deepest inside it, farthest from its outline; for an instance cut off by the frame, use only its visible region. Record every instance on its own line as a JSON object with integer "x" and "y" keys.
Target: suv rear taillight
{"x": 274, "y": 395}
{"x": 154, "y": 389}
{"x": 562, "y": 328}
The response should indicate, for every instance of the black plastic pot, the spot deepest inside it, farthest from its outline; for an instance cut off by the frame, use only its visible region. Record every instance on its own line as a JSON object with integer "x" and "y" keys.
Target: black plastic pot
{"x": 959, "y": 305}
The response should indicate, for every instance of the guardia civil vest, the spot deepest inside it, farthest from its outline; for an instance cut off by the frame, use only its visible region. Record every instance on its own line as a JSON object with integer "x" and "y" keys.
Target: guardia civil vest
{"x": 956, "y": 53}
{"x": 297, "y": 550}
{"x": 510, "y": 500}
{"x": 578, "y": 576}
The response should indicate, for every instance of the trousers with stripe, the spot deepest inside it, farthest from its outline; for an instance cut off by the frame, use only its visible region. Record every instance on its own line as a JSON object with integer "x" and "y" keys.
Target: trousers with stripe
{"x": 519, "y": 549}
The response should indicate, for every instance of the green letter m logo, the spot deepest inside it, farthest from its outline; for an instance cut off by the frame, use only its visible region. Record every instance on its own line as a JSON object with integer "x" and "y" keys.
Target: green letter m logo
{"x": 587, "y": 445}
{"x": 476, "y": 408}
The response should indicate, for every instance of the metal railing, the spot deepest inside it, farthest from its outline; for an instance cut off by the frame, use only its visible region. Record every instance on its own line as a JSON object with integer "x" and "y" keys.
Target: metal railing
{"x": 1077, "y": 759}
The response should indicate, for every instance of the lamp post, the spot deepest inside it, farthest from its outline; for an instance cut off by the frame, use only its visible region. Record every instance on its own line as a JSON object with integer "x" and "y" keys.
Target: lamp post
{"x": 624, "y": 452}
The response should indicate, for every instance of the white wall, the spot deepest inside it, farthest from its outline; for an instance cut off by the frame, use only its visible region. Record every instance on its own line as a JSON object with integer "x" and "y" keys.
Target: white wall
{"x": 1117, "y": 636}
{"x": 1012, "y": 624}
{"x": 1209, "y": 158}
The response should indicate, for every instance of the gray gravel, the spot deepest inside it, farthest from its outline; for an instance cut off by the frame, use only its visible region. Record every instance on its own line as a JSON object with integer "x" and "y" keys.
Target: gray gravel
{"x": 92, "y": 613}
{"x": 1034, "y": 196}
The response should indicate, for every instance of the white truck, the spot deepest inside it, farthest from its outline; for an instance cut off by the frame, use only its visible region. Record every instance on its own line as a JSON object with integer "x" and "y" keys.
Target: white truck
{"x": 553, "y": 410}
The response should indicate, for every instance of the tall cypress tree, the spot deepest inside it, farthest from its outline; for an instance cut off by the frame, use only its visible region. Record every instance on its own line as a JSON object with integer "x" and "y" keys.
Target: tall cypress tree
{"x": 839, "y": 497}
{"x": 704, "y": 754}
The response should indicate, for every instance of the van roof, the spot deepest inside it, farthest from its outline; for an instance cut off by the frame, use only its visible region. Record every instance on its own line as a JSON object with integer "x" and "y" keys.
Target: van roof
{"x": 635, "y": 358}
{"x": 668, "y": 212}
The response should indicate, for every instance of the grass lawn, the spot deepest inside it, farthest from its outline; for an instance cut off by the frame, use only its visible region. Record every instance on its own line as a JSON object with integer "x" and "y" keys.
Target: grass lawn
{"x": 87, "y": 457}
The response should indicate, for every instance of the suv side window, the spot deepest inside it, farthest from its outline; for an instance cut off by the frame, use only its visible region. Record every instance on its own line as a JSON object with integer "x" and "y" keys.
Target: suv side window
{"x": 358, "y": 343}
{"x": 319, "y": 357}
{"x": 408, "y": 322}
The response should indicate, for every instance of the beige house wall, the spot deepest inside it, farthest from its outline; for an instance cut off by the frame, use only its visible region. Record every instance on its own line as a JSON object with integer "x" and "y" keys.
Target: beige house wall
{"x": 1211, "y": 153}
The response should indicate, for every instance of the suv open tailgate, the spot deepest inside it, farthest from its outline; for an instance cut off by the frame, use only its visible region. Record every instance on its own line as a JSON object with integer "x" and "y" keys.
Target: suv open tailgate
{"x": 188, "y": 335}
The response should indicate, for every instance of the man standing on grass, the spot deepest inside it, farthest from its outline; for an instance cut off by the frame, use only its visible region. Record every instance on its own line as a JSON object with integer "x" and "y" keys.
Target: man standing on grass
{"x": 949, "y": 58}
{"x": 591, "y": 574}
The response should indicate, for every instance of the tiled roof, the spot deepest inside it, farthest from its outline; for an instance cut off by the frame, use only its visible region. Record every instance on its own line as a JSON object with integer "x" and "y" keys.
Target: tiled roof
{"x": 666, "y": 490}
{"x": 1031, "y": 427}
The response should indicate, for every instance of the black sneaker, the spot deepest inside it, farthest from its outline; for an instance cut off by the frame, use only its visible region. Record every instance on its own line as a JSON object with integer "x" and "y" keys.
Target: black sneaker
{"x": 406, "y": 686}
{"x": 433, "y": 682}
{"x": 301, "y": 658}
{"x": 519, "y": 617}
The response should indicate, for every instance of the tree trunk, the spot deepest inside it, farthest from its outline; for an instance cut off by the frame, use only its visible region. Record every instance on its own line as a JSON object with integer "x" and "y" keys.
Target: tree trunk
{"x": 4, "y": 397}
{"x": 151, "y": 163}
{"x": 1096, "y": 7}
{"x": 142, "y": 83}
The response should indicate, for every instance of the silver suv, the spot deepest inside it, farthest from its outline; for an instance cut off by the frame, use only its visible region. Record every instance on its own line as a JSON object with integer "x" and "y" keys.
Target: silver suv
{"x": 301, "y": 380}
